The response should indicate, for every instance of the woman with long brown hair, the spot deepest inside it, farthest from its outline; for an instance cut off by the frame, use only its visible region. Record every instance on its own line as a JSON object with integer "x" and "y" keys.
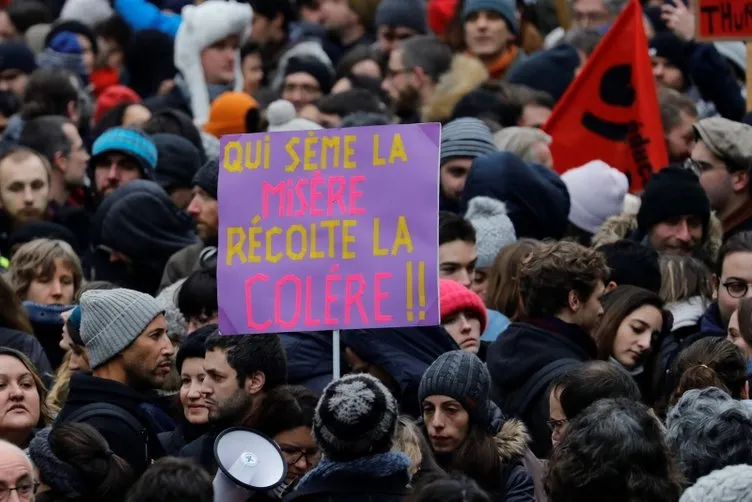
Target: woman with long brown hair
{"x": 503, "y": 293}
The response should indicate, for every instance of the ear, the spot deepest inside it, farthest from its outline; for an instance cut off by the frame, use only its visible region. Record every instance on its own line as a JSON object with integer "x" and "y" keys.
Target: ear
{"x": 420, "y": 76}
{"x": 254, "y": 383}
{"x": 740, "y": 181}
{"x": 73, "y": 113}
{"x": 59, "y": 162}
{"x": 716, "y": 283}
{"x": 573, "y": 300}
{"x": 611, "y": 286}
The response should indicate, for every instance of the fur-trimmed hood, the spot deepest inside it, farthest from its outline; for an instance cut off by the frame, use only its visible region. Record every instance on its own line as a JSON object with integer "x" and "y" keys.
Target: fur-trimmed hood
{"x": 512, "y": 440}
{"x": 624, "y": 225}
{"x": 465, "y": 74}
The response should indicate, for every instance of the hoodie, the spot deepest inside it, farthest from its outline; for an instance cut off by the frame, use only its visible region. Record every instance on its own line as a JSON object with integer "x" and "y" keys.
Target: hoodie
{"x": 140, "y": 221}
{"x": 536, "y": 198}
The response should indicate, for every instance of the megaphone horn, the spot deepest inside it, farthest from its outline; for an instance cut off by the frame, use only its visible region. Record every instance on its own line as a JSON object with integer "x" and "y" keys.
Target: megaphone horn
{"x": 248, "y": 462}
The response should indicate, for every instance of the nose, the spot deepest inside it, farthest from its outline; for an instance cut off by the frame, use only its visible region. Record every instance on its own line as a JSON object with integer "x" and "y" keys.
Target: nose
{"x": 482, "y": 20}
{"x": 643, "y": 342}
{"x": 57, "y": 289}
{"x": 682, "y": 231}
{"x": 206, "y": 389}
{"x": 464, "y": 323}
{"x": 437, "y": 421}
{"x": 193, "y": 207}
{"x": 113, "y": 173}
{"x": 464, "y": 278}
{"x": 657, "y": 71}
{"x": 16, "y": 391}
{"x": 302, "y": 463}
{"x": 194, "y": 391}
{"x": 28, "y": 195}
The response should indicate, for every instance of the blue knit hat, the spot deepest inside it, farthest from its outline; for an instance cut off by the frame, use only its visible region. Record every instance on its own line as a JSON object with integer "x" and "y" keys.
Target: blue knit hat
{"x": 505, "y": 8}
{"x": 130, "y": 142}
{"x": 64, "y": 51}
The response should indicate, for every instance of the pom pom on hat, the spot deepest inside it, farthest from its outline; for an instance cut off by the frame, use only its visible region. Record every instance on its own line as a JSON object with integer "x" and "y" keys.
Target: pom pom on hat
{"x": 591, "y": 208}
{"x": 493, "y": 228}
{"x": 281, "y": 116}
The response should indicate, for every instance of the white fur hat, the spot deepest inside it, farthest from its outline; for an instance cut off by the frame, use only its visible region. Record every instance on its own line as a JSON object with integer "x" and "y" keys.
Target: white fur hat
{"x": 281, "y": 116}
{"x": 202, "y": 26}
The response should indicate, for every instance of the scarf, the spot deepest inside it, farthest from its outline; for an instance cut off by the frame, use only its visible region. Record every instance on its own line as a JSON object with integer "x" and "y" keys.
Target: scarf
{"x": 380, "y": 465}
{"x": 687, "y": 312}
{"x": 499, "y": 66}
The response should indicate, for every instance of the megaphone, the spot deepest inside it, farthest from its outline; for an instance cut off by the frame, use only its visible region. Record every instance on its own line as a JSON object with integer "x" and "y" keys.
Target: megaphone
{"x": 248, "y": 462}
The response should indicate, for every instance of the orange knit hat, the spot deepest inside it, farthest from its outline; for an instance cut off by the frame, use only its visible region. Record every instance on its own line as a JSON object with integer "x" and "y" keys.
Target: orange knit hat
{"x": 228, "y": 113}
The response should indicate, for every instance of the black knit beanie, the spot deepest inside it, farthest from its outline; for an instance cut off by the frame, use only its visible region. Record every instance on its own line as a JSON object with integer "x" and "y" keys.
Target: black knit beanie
{"x": 313, "y": 67}
{"x": 672, "y": 192}
{"x": 207, "y": 178}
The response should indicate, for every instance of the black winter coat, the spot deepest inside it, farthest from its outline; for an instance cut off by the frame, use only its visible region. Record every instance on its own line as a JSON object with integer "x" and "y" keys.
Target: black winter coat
{"x": 28, "y": 345}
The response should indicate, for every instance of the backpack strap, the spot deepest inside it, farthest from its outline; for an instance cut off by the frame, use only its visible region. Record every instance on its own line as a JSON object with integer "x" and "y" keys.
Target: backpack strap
{"x": 109, "y": 410}
{"x": 537, "y": 383}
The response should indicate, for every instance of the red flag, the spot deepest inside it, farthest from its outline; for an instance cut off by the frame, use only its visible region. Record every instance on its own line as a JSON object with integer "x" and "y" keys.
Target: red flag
{"x": 610, "y": 112}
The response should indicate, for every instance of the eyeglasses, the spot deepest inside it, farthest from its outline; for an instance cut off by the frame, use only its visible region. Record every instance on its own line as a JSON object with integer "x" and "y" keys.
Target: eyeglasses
{"x": 556, "y": 425}
{"x": 736, "y": 289}
{"x": 293, "y": 454}
{"x": 25, "y": 490}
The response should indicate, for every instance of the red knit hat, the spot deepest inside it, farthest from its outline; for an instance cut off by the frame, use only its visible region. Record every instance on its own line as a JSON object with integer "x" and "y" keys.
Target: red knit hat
{"x": 440, "y": 14}
{"x": 113, "y": 96}
{"x": 454, "y": 298}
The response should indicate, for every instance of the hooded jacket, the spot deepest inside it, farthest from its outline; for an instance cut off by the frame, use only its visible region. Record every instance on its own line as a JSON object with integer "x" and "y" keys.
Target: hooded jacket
{"x": 537, "y": 199}
{"x": 137, "y": 450}
{"x": 525, "y": 349}
{"x": 30, "y": 346}
{"x": 403, "y": 353}
{"x": 624, "y": 226}
{"x": 140, "y": 221}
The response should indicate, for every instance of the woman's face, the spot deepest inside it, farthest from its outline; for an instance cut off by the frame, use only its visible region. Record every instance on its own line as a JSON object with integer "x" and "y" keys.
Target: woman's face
{"x": 191, "y": 377}
{"x": 735, "y": 335}
{"x": 58, "y": 289}
{"x": 557, "y": 420}
{"x": 464, "y": 327}
{"x": 78, "y": 360}
{"x": 19, "y": 398}
{"x": 446, "y": 421}
{"x": 635, "y": 335}
{"x": 300, "y": 451}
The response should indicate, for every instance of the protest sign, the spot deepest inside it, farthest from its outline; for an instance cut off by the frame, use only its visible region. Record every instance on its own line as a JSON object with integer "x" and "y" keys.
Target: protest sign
{"x": 724, "y": 19}
{"x": 326, "y": 230}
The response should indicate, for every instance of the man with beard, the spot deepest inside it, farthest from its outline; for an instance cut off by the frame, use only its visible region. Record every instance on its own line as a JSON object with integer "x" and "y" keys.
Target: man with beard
{"x": 415, "y": 67}
{"x": 119, "y": 156}
{"x": 203, "y": 209}
{"x": 239, "y": 370}
{"x": 24, "y": 191}
{"x": 130, "y": 354}
{"x": 678, "y": 115}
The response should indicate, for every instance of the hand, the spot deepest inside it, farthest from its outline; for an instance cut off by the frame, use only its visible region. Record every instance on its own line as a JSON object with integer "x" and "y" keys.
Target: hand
{"x": 679, "y": 20}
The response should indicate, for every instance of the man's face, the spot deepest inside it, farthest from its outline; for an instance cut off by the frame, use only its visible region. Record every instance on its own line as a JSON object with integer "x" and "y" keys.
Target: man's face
{"x": 590, "y": 310}
{"x": 733, "y": 285}
{"x": 534, "y": 116}
{"x": 301, "y": 89}
{"x": 680, "y": 141}
{"x": 87, "y": 51}
{"x": 486, "y": 34}
{"x": 77, "y": 160}
{"x": 203, "y": 209}
{"x": 666, "y": 74}
{"x": 591, "y": 14}
{"x": 24, "y": 188}
{"x": 224, "y": 397}
{"x": 400, "y": 84}
{"x": 148, "y": 360}
{"x": 389, "y": 36}
{"x": 13, "y": 80}
{"x": 677, "y": 236}
{"x": 453, "y": 174}
{"x": 715, "y": 178}
{"x": 218, "y": 60}
{"x": 457, "y": 261}
{"x": 16, "y": 471}
{"x": 113, "y": 170}
{"x": 337, "y": 14}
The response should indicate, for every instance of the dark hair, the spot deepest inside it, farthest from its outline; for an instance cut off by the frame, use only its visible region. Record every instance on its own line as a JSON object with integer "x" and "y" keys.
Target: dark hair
{"x": 194, "y": 345}
{"x": 48, "y": 92}
{"x": 710, "y": 362}
{"x": 114, "y": 28}
{"x": 12, "y": 313}
{"x": 615, "y": 450}
{"x": 453, "y": 227}
{"x": 270, "y": 9}
{"x": 352, "y": 101}
{"x": 113, "y": 118}
{"x": 175, "y": 122}
{"x": 672, "y": 103}
{"x": 250, "y": 47}
{"x": 248, "y": 354}
{"x": 552, "y": 270}
{"x": 284, "y": 408}
{"x": 592, "y": 381}
{"x": 28, "y": 13}
{"x": 45, "y": 135}
{"x": 617, "y": 305}
{"x": 503, "y": 293}
{"x": 352, "y": 58}
{"x": 738, "y": 243}
{"x": 495, "y": 102}
{"x": 454, "y": 489}
{"x": 632, "y": 263}
{"x": 744, "y": 312}
{"x": 172, "y": 480}
{"x": 427, "y": 52}
{"x": 9, "y": 104}
{"x": 534, "y": 97}
{"x": 198, "y": 294}
{"x": 105, "y": 475}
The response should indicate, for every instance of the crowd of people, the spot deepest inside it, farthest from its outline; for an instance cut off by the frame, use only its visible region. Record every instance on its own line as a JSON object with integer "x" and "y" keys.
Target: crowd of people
{"x": 595, "y": 344}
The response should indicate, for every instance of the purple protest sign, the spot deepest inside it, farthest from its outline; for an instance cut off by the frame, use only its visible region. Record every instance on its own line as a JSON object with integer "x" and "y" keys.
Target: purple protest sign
{"x": 332, "y": 229}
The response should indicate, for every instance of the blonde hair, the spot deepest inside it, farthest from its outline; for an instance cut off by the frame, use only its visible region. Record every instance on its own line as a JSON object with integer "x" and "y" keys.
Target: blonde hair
{"x": 59, "y": 391}
{"x": 407, "y": 439}
{"x": 36, "y": 259}
{"x": 520, "y": 141}
{"x": 684, "y": 277}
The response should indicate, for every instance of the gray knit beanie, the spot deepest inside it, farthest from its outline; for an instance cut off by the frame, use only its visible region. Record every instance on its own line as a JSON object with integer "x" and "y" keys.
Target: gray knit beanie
{"x": 462, "y": 376}
{"x": 465, "y": 138}
{"x": 730, "y": 484}
{"x": 112, "y": 319}
{"x": 207, "y": 178}
{"x": 493, "y": 228}
{"x": 356, "y": 416}
{"x": 505, "y": 8}
{"x": 408, "y": 13}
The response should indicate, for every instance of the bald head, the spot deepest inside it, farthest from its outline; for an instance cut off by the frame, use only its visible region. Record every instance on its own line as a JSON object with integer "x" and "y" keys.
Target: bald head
{"x": 15, "y": 468}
